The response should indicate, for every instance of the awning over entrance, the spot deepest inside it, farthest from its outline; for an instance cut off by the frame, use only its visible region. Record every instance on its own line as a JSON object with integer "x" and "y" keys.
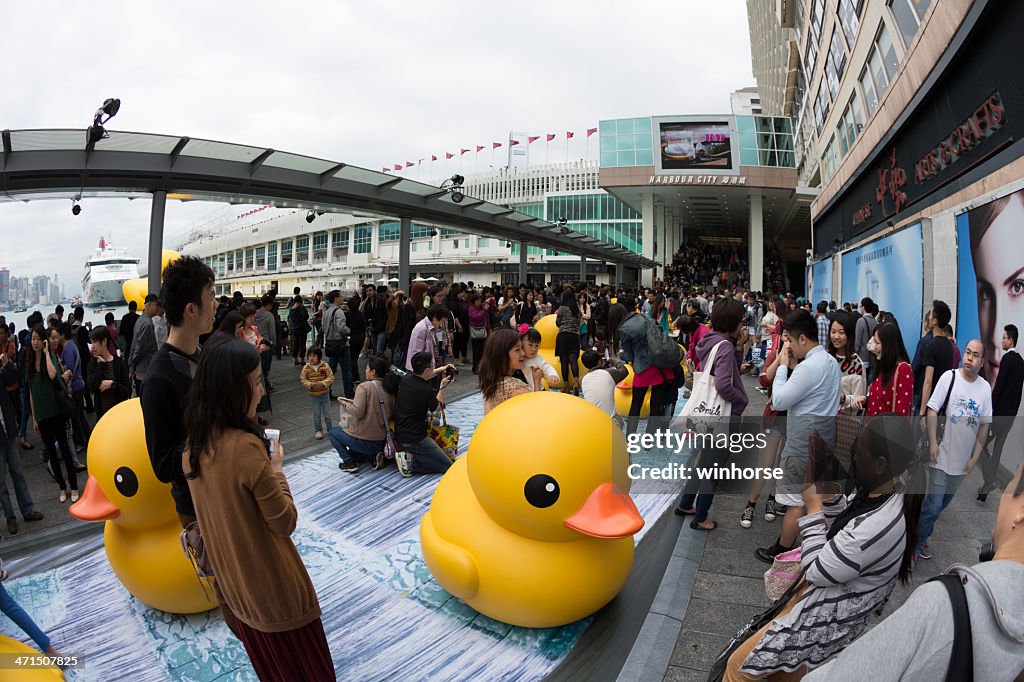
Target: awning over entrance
{"x": 48, "y": 164}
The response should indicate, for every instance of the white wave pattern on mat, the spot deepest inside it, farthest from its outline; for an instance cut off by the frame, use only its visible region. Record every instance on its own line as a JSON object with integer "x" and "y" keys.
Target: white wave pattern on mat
{"x": 385, "y": 616}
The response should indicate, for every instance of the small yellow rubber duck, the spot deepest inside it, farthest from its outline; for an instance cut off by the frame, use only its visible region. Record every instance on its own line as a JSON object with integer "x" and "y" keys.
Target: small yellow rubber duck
{"x": 142, "y": 529}
{"x": 532, "y": 528}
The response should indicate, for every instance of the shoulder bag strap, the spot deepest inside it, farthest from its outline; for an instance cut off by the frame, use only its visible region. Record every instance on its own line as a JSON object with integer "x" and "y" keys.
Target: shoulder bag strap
{"x": 949, "y": 392}
{"x": 961, "y": 659}
{"x": 383, "y": 412}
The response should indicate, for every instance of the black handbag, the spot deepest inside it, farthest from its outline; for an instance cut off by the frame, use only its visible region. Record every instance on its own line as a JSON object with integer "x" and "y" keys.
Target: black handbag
{"x": 717, "y": 671}
{"x": 65, "y": 402}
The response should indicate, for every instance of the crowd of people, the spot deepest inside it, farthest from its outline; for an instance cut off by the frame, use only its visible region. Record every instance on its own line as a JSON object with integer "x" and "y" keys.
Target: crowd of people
{"x": 201, "y": 365}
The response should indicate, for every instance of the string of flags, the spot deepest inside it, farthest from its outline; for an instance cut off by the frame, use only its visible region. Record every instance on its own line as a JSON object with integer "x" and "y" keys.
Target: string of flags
{"x": 530, "y": 139}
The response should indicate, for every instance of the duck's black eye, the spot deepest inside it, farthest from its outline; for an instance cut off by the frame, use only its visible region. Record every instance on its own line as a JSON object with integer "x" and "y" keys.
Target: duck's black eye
{"x": 126, "y": 481}
{"x": 541, "y": 491}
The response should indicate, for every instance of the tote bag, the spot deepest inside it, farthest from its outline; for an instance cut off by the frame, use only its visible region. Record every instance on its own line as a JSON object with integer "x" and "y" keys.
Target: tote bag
{"x": 706, "y": 410}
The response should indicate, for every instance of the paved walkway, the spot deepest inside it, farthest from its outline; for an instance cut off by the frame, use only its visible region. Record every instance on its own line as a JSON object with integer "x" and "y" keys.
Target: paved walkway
{"x": 729, "y": 586}
{"x": 291, "y": 413}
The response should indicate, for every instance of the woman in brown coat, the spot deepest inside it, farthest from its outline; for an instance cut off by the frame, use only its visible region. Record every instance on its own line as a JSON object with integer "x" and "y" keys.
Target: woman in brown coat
{"x": 246, "y": 513}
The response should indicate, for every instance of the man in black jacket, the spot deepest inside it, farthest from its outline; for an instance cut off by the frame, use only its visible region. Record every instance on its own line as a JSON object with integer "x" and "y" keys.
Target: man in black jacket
{"x": 126, "y": 330}
{"x": 1006, "y": 395}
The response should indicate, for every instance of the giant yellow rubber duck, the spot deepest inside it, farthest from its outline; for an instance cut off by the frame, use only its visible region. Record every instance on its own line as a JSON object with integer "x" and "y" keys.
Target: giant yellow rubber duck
{"x": 136, "y": 289}
{"x": 537, "y": 534}
{"x": 10, "y": 649}
{"x": 142, "y": 529}
{"x": 548, "y": 331}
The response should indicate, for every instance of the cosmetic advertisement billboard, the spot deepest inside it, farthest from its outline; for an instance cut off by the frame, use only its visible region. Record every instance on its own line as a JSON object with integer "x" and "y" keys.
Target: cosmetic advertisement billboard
{"x": 890, "y": 271}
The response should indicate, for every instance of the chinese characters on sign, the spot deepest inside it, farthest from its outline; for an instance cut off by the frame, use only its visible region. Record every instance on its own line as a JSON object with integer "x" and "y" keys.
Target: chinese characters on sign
{"x": 891, "y": 181}
{"x": 697, "y": 180}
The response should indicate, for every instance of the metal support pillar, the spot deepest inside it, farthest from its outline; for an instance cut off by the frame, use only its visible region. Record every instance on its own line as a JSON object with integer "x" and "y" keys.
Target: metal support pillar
{"x": 523, "y": 262}
{"x": 583, "y": 269}
{"x": 647, "y": 236}
{"x": 404, "y": 241}
{"x": 156, "y": 240}
{"x": 755, "y": 243}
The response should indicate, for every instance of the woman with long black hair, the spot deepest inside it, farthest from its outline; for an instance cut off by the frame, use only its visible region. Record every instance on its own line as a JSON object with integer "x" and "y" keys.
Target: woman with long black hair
{"x": 854, "y": 549}
{"x": 245, "y": 510}
{"x": 840, "y": 345}
{"x": 893, "y": 387}
{"x": 41, "y": 372}
{"x": 567, "y": 343}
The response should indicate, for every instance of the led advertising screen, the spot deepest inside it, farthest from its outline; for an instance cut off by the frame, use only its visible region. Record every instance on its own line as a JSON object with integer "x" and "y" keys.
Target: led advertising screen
{"x": 686, "y": 146}
{"x": 890, "y": 271}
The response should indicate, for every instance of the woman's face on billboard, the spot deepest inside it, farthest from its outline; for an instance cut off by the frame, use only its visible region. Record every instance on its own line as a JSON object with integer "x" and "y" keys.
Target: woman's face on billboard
{"x": 999, "y": 266}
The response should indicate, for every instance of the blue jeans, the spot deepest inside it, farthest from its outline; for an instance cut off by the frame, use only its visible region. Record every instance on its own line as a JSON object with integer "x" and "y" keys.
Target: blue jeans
{"x": 12, "y": 610}
{"x": 379, "y": 340}
{"x": 10, "y": 458}
{"x": 26, "y": 408}
{"x": 427, "y": 457}
{"x": 344, "y": 363}
{"x": 351, "y": 448}
{"x": 321, "y": 406}
{"x": 941, "y": 489}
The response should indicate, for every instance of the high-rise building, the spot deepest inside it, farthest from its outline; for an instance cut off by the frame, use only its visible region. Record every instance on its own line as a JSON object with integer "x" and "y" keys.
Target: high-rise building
{"x": 908, "y": 125}
{"x": 5, "y": 285}
{"x": 745, "y": 102}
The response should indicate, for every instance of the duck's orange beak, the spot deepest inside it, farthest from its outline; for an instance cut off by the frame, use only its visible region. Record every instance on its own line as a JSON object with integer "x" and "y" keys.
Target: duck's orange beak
{"x": 93, "y": 505}
{"x": 608, "y": 514}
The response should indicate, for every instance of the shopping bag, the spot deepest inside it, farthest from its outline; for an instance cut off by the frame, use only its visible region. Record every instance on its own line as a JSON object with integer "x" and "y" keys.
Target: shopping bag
{"x": 445, "y": 435}
{"x": 705, "y": 411}
{"x": 785, "y": 571}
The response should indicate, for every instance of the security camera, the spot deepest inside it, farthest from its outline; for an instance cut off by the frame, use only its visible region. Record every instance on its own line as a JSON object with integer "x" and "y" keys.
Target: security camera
{"x": 76, "y": 208}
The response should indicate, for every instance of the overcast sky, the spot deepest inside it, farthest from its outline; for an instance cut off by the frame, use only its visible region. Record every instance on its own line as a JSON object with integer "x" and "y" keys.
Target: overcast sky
{"x": 370, "y": 84}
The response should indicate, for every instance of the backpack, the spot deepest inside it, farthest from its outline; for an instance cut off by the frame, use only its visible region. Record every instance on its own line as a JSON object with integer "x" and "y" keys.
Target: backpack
{"x": 663, "y": 350}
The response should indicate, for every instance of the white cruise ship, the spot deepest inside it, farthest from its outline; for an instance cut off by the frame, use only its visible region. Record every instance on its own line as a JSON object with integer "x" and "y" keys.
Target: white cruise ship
{"x": 105, "y": 271}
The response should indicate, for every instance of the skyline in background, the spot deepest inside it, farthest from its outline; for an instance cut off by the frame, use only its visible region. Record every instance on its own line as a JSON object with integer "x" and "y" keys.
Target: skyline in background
{"x": 370, "y": 85}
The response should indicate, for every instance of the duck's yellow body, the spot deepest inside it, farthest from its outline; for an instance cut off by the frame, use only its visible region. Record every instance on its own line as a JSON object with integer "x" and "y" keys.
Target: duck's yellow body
{"x": 141, "y": 526}
{"x": 28, "y": 670}
{"x": 538, "y": 534}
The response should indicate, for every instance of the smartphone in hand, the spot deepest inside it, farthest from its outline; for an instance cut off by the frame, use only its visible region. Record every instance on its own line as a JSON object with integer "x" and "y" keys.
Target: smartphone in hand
{"x": 271, "y": 437}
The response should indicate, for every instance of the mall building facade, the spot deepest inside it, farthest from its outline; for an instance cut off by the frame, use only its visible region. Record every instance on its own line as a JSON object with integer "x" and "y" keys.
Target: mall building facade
{"x": 909, "y": 116}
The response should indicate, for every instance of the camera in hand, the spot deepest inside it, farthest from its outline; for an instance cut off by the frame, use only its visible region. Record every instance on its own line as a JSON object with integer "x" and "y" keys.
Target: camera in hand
{"x": 271, "y": 438}
{"x": 451, "y": 373}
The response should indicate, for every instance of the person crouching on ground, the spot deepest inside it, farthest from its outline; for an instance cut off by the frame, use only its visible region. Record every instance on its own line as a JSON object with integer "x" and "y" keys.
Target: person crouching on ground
{"x": 317, "y": 377}
{"x": 417, "y": 399}
{"x": 854, "y": 548}
{"x": 531, "y": 338}
{"x": 365, "y": 435}
{"x": 247, "y": 515}
{"x": 599, "y": 383}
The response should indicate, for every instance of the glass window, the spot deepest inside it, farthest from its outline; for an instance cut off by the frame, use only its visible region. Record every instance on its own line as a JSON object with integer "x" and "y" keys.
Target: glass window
{"x": 249, "y": 253}
{"x": 609, "y": 159}
{"x": 908, "y": 14}
{"x": 412, "y": 247}
{"x": 817, "y": 15}
{"x": 810, "y": 57}
{"x": 821, "y": 106}
{"x": 286, "y": 252}
{"x": 272, "y": 256}
{"x": 748, "y": 157}
{"x": 483, "y": 242}
{"x": 884, "y": 45}
{"x": 644, "y": 157}
{"x": 830, "y": 160}
{"x": 362, "y": 238}
{"x": 320, "y": 241}
{"x": 261, "y": 256}
{"x": 625, "y": 126}
{"x": 626, "y": 158}
{"x": 389, "y": 231}
{"x": 302, "y": 249}
{"x": 869, "y": 91}
{"x": 337, "y": 237}
{"x": 851, "y": 124}
{"x": 835, "y": 64}
{"x": 642, "y": 125}
{"x": 849, "y": 19}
